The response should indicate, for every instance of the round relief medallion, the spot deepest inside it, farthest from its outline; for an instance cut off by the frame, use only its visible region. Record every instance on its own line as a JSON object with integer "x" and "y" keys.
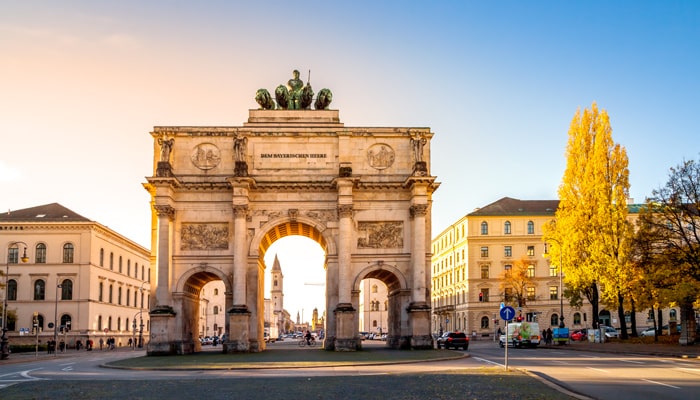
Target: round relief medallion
{"x": 205, "y": 156}
{"x": 380, "y": 156}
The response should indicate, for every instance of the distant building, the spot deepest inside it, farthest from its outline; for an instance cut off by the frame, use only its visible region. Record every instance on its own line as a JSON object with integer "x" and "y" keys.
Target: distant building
{"x": 89, "y": 280}
{"x": 471, "y": 255}
{"x": 373, "y": 306}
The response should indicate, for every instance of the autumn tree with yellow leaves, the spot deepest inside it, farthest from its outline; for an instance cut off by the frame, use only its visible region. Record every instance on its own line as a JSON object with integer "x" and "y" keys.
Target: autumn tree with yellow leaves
{"x": 590, "y": 230}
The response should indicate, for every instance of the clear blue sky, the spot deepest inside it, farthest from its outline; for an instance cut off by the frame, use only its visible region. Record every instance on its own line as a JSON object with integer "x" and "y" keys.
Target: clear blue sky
{"x": 82, "y": 84}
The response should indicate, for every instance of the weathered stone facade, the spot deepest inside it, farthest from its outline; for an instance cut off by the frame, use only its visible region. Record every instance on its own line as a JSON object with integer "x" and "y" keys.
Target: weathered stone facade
{"x": 222, "y": 195}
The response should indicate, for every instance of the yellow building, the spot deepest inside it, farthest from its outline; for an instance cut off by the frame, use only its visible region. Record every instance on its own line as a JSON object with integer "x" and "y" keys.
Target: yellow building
{"x": 471, "y": 256}
{"x": 79, "y": 275}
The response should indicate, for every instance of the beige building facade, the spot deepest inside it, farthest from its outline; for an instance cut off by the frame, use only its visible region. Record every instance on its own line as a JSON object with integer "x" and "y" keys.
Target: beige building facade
{"x": 222, "y": 195}
{"x": 471, "y": 256}
{"x": 79, "y": 275}
{"x": 374, "y": 306}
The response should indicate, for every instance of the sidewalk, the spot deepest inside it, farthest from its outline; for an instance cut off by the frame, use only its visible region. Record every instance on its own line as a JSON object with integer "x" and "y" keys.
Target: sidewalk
{"x": 619, "y": 347}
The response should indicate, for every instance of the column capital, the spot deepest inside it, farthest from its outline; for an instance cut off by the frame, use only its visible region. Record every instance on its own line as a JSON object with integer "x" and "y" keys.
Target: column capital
{"x": 240, "y": 210}
{"x": 344, "y": 210}
{"x": 419, "y": 210}
{"x": 164, "y": 210}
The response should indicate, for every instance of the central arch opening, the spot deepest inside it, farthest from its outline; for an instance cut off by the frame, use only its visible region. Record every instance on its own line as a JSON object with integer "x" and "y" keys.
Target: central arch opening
{"x": 295, "y": 300}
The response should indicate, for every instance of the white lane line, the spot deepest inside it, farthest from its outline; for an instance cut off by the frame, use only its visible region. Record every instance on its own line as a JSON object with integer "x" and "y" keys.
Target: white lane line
{"x": 662, "y": 384}
{"x": 487, "y": 361}
{"x": 599, "y": 370}
{"x": 633, "y": 362}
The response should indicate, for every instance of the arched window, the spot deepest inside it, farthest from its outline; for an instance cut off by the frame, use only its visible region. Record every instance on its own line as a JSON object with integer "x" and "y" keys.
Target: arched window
{"x": 386, "y": 305}
{"x": 39, "y": 290}
{"x": 109, "y": 323}
{"x": 111, "y": 293}
{"x": 672, "y": 315}
{"x": 111, "y": 261}
{"x": 216, "y": 310}
{"x": 40, "y": 254}
{"x": 100, "y": 291}
{"x": 506, "y": 228}
{"x": 67, "y": 289}
{"x": 484, "y": 322}
{"x": 99, "y": 323}
{"x": 65, "y": 322}
{"x": 577, "y": 318}
{"x": 119, "y": 323}
{"x": 68, "y": 253}
{"x": 12, "y": 289}
{"x": 484, "y": 228}
{"x": 374, "y": 288}
{"x": 530, "y": 228}
{"x": 216, "y": 291}
{"x": 554, "y": 320}
{"x": 102, "y": 257}
{"x": 40, "y": 322}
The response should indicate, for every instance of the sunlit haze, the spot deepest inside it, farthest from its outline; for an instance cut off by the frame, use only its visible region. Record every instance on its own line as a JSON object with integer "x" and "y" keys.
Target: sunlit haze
{"x": 84, "y": 82}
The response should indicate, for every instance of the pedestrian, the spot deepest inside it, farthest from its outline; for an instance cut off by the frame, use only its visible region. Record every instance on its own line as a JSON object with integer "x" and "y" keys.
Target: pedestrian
{"x": 88, "y": 345}
{"x": 102, "y": 342}
{"x": 549, "y": 336}
{"x": 130, "y": 342}
{"x": 62, "y": 346}
{"x": 78, "y": 344}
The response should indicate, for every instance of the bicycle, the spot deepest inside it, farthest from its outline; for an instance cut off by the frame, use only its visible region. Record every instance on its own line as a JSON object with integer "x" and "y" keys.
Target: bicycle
{"x": 312, "y": 342}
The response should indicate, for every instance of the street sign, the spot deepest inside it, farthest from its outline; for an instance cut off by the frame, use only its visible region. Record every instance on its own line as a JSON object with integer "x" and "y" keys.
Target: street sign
{"x": 507, "y": 313}
{"x": 503, "y": 304}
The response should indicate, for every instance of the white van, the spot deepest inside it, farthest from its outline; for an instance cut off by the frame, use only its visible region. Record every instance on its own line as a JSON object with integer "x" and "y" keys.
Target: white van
{"x": 521, "y": 334}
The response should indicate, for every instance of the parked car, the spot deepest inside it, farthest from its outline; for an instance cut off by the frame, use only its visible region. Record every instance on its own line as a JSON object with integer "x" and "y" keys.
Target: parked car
{"x": 610, "y": 332}
{"x": 580, "y": 335}
{"x": 664, "y": 330}
{"x": 454, "y": 340}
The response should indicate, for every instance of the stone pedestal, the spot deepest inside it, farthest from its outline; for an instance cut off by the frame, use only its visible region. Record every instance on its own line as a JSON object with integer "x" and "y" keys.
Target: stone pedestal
{"x": 163, "y": 324}
{"x": 346, "y": 332}
{"x": 238, "y": 340}
{"x": 419, "y": 315}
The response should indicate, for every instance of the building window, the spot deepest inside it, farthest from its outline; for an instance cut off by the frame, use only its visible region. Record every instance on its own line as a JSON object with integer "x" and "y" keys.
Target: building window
{"x": 531, "y": 293}
{"x": 506, "y": 228}
{"x": 65, "y": 322}
{"x": 100, "y": 291}
{"x": 484, "y": 228}
{"x": 102, "y": 257}
{"x": 530, "y": 228}
{"x": 375, "y": 289}
{"x": 111, "y": 292}
{"x": 508, "y": 267}
{"x": 531, "y": 251}
{"x": 554, "y": 320}
{"x": 39, "y": 289}
{"x": 68, "y": 253}
{"x": 485, "y": 271}
{"x": 484, "y": 322}
{"x": 111, "y": 261}
{"x": 135, "y": 298}
{"x": 672, "y": 315}
{"x": 508, "y": 251}
{"x": 120, "y": 264}
{"x": 40, "y": 254}
{"x": 216, "y": 310}
{"x": 552, "y": 270}
{"x": 119, "y": 296}
{"x": 485, "y": 294}
{"x": 99, "y": 323}
{"x": 577, "y": 318}
{"x": 67, "y": 289}
{"x": 531, "y": 271}
{"x": 12, "y": 289}
{"x": 109, "y": 323}
{"x": 484, "y": 251}
{"x": 141, "y": 299}
{"x": 119, "y": 323}
{"x": 136, "y": 270}
{"x": 128, "y": 300}
{"x": 142, "y": 276}
{"x": 13, "y": 255}
{"x": 554, "y": 293}
{"x": 39, "y": 323}
{"x": 128, "y": 270}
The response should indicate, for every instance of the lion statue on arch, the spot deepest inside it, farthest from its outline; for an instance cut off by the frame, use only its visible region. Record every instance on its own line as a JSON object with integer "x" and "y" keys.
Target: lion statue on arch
{"x": 262, "y": 97}
{"x": 325, "y": 96}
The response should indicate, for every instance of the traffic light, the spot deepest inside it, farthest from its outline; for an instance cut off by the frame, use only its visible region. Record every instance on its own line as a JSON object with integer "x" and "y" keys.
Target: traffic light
{"x": 481, "y": 296}
{"x": 519, "y": 319}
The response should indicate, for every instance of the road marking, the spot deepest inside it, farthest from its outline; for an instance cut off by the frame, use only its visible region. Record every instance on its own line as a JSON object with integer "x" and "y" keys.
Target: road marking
{"x": 633, "y": 362}
{"x": 487, "y": 361}
{"x": 662, "y": 384}
{"x": 599, "y": 370}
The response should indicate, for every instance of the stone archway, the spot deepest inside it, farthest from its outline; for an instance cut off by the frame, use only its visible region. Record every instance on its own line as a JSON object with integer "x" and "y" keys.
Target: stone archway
{"x": 222, "y": 195}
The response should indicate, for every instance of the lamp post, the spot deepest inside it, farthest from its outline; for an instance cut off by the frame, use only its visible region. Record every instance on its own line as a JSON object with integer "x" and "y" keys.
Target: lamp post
{"x": 141, "y": 316}
{"x": 561, "y": 287}
{"x": 4, "y": 342}
{"x": 55, "y": 321}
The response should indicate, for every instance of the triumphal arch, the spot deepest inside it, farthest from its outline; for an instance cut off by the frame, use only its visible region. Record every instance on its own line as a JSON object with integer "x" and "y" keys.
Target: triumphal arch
{"x": 222, "y": 195}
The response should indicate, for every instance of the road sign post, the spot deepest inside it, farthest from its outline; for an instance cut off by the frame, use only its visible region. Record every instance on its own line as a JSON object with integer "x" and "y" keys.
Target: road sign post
{"x": 507, "y": 313}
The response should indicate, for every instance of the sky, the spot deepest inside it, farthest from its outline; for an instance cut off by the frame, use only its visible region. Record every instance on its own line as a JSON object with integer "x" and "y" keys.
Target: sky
{"x": 82, "y": 83}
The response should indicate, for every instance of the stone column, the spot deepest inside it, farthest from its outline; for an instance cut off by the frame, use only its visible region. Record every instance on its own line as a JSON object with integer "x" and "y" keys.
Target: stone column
{"x": 344, "y": 253}
{"x": 163, "y": 256}
{"x": 346, "y": 339}
{"x": 418, "y": 250}
{"x": 240, "y": 255}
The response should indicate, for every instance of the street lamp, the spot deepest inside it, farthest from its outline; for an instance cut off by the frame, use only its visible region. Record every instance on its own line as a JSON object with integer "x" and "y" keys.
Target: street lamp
{"x": 141, "y": 316}
{"x": 55, "y": 321}
{"x": 561, "y": 287}
{"x": 4, "y": 343}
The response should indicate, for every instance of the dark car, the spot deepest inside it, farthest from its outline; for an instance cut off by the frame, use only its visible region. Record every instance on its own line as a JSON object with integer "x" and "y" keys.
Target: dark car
{"x": 453, "y": 340}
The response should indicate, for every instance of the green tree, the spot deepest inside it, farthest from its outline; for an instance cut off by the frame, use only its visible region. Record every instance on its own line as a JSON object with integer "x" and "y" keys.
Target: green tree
{"x": 673, "y": 219}
{"x": 590, "y": 231}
